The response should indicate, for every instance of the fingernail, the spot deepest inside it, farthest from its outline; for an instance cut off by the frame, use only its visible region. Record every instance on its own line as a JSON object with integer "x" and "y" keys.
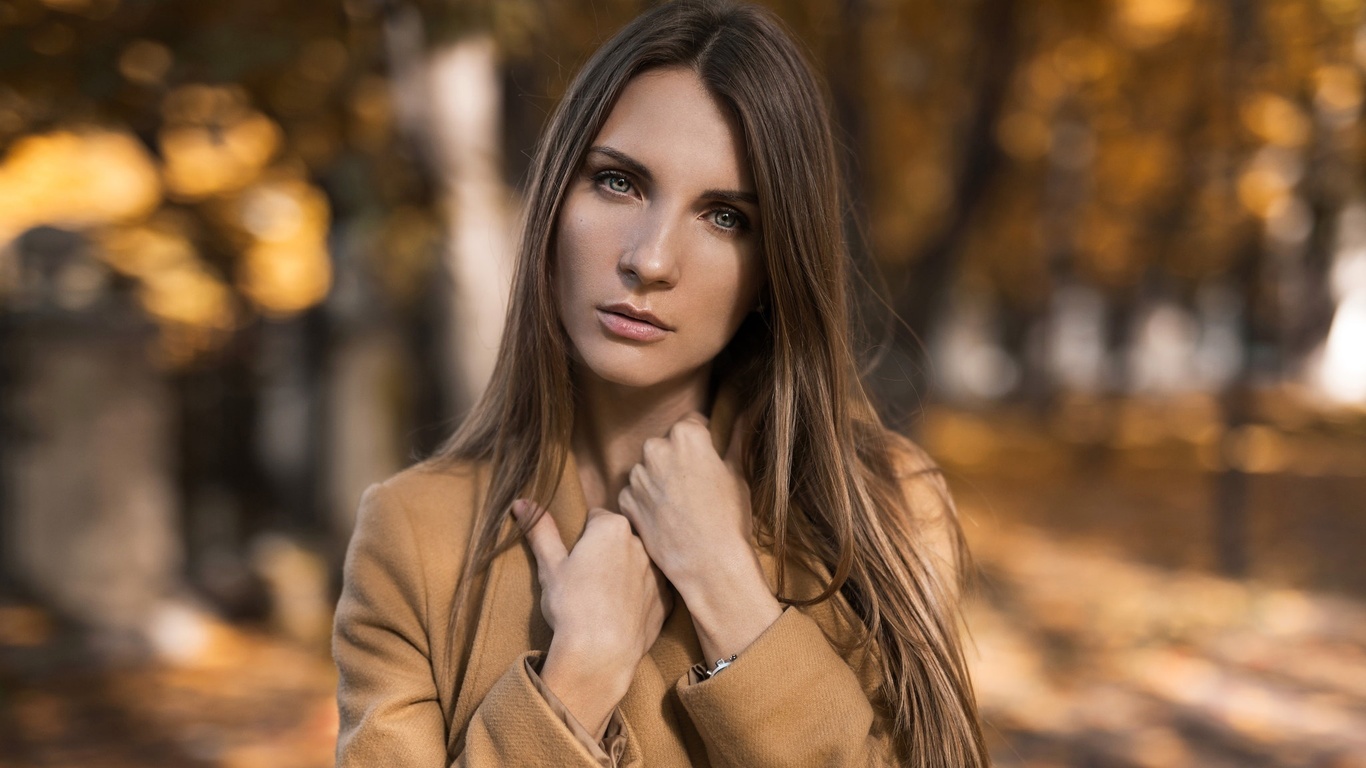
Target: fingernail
{"x": 519, "y": 509}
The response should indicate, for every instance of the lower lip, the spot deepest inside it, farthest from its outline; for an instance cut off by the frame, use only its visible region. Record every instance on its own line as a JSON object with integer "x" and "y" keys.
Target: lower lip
{"x": 627, "y": 328}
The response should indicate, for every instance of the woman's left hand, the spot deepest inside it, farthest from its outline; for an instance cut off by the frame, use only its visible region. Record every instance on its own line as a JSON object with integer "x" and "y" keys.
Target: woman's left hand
{"x": 690, "y": 507}
{"x": 691, "y": 510}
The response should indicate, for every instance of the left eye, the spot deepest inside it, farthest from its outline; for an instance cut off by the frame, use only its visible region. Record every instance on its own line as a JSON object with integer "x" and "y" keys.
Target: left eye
{"x": 726, "y": 219}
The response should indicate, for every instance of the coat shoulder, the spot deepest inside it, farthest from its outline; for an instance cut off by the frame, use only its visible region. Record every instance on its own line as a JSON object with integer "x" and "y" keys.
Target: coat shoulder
{"x": 434, "y": 504}
{"x": 921, "y": 478}
{"x": 437, "y": 494}
{"x": 392, "y": 626}
{"x": 932, "y": 514}
{"x": 908, "y": 458}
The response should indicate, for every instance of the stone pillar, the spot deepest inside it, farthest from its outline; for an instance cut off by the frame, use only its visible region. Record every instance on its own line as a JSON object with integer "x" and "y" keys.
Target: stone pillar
{"x": 92, "y": 526}
{"x": 90, "y": 522}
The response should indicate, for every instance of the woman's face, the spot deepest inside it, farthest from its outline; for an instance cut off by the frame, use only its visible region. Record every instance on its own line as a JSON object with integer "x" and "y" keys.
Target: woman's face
{"x": 657, "y": 254}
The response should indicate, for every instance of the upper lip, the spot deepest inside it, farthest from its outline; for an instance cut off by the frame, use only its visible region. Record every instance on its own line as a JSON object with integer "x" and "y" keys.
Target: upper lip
{"x": 636, "y": 313}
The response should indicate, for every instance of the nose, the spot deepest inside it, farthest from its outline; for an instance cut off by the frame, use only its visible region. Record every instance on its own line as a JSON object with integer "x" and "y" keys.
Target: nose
{"x": 652, "y": 257}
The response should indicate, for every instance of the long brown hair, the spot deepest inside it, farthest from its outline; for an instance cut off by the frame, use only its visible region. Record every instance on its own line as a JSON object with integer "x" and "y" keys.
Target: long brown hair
{"x": 821, "y": 465}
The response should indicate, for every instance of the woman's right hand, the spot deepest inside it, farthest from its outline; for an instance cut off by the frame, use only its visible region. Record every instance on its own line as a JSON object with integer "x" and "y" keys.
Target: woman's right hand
{"x": 606, "y": 603}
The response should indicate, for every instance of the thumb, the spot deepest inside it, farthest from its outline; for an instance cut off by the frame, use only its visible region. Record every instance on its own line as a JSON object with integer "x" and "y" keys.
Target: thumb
{"x": 543, "y": 536}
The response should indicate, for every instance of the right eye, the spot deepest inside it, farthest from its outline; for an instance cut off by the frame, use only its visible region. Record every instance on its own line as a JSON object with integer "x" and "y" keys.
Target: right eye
{"x": 615, "y": 182}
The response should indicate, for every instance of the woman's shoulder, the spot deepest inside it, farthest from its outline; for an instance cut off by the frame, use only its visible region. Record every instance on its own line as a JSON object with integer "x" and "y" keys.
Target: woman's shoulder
{"x": 436, "y": 487}
{"x": 933, "y": 516}
{"x": 429, "y": 507}
{"x": 908, "y": 458}
{"x": 400, "y": 576}
{"x": 920, "y": 477}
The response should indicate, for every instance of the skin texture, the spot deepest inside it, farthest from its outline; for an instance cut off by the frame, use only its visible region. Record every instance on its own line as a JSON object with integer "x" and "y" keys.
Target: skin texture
{"x": 662, "y": 216}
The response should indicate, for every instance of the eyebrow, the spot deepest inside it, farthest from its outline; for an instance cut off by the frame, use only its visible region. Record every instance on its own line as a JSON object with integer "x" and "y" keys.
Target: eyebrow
{"x": 638, "y": 168}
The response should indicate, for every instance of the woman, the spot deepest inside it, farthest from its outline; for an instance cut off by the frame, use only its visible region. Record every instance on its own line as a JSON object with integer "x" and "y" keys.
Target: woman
{"x": 591, "y": 571}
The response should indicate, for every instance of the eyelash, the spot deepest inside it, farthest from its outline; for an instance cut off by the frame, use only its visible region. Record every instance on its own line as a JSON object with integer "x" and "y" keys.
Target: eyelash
{"x": 601, "y": 178}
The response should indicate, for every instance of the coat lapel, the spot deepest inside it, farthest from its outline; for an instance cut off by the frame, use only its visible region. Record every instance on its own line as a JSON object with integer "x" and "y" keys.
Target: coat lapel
{"x": 510, "y": 620}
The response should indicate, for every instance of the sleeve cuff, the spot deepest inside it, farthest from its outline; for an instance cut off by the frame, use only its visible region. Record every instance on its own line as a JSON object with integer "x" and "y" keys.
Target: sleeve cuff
{"x": 608, "y": 752}
{"x": 789, "y": 681}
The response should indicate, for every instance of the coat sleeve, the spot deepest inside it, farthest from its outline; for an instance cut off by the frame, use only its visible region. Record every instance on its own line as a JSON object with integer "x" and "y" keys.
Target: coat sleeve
{"x": 790, "y": 698}
{"x": 386, "y": 693}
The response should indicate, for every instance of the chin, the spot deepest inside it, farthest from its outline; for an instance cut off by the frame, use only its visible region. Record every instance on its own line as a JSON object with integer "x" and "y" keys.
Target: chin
{"x": 638, "y": 368}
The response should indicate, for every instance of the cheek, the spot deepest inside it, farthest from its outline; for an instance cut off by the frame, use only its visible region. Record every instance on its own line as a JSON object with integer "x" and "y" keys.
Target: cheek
{"x": 569, "y": 255}
{"x": 746, "y": 282}
{"x": 585, "y": 244}
{"x": 729, "y": 295}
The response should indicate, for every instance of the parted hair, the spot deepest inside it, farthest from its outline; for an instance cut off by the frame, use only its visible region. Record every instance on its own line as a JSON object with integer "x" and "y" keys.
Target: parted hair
{"x": 823, "y": 473}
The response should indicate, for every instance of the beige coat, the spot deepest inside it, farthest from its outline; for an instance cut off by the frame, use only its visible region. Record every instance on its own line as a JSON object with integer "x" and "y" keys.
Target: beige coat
{"x": 790, "y": 699}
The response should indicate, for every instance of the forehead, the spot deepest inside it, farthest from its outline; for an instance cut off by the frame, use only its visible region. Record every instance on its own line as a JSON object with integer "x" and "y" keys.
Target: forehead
{"x": 668, "y": 120}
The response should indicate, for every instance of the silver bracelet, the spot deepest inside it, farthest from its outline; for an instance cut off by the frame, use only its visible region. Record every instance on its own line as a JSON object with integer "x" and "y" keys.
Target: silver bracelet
{"x": 720, "y": 665}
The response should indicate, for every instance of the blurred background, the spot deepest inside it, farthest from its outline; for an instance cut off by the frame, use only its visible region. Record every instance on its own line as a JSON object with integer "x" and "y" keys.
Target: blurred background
{"x": 253, "y": 257}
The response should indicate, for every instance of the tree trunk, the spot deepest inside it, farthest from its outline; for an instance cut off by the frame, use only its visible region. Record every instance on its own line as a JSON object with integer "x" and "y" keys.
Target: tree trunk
{"x": 979, "y": 159}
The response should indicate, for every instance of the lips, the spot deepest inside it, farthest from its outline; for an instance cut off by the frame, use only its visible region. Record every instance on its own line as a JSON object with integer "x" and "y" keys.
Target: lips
{"x": 631, "y": 323}
{"x": 635, "y": 313}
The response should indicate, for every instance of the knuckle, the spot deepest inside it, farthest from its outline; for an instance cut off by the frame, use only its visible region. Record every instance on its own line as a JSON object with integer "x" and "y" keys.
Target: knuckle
{"x": 688, "y": 433}
{"x": 655, "y": 446}
{"x": 689, "y": 426}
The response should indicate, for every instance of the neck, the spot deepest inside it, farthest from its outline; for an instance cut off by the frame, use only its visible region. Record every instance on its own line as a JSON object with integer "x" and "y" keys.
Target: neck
{"x": 612, "y": 423}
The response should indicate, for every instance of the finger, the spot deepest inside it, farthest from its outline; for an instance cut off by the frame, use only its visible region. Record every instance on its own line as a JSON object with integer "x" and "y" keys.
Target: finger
{"x": 651, "y": 449}
{"x": 666, "y": 592}
{"x": 603, "y": 513}
{"x": 605, "y": 518}
{"x": 629, "y": 507}
{"x": 692, "y": 421}
{"x": 640, "y": 479}
{"x": 543, "y": 536}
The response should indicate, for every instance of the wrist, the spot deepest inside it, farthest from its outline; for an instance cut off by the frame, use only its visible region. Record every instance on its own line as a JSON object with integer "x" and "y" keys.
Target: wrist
{"x": 588, "y": 687}
{"x": 589, "y": 667}
{"x": 729, "y": 613}
{"x": 722, "y": 573}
